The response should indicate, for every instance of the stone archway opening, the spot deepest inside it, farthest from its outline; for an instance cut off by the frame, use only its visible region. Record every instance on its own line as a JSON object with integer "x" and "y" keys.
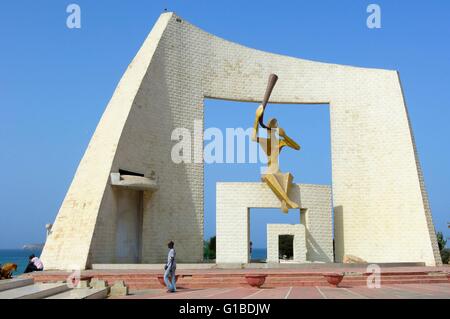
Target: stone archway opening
{"x": 286, "y": 247}
{"x": 312, "y": 164}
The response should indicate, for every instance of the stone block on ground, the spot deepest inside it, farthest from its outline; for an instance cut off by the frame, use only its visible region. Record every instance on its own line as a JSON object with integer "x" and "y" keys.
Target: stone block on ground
{"x": 118, "y": 289}
{"x": 97, "y": 283}
{"x": 350, "y": 259}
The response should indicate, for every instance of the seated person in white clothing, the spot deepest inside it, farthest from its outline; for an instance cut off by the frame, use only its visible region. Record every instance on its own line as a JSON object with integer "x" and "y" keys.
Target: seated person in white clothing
{"x": 34, "y": 264}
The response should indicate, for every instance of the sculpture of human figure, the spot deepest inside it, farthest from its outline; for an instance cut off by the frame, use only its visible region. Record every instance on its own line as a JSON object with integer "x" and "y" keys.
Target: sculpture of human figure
{"x": 278, "y": 182}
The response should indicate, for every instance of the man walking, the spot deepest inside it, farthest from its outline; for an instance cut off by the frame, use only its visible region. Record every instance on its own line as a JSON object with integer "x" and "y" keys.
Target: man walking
{"x": 170, "y": 268}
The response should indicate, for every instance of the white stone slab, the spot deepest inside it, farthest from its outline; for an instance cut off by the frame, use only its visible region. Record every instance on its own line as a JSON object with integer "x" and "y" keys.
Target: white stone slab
{"x": 133, "y": 182}
{"x": 82, "y": 293}
{"x": 234, "y": 201}
{"x": 35, "y": 291}
{"x": 15, "y": 283}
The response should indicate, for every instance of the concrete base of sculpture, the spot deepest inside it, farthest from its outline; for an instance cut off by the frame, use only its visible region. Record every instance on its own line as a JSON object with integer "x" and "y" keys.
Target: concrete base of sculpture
{"x": 299, "y": 241}
{"x": 234, "y": 201}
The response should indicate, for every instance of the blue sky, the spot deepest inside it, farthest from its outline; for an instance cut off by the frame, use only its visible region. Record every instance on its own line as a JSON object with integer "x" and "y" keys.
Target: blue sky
{"x": 55, "y": 83}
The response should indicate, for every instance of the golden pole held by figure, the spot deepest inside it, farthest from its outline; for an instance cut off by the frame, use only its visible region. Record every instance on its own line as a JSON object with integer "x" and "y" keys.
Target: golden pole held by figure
{"x": 279, "y": 182}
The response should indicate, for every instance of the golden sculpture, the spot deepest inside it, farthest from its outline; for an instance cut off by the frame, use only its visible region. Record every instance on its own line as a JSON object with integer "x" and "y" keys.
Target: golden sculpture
{"x": 279, "y": 182}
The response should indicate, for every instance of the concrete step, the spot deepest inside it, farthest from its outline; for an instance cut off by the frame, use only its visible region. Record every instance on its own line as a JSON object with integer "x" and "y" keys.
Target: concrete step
{"x": 276, "y": 278}
{"x": 82, "y": 293}
{"x": 234, "y": 277}
{"x": 35, "y": 291}
{"x": 7, "y": 284}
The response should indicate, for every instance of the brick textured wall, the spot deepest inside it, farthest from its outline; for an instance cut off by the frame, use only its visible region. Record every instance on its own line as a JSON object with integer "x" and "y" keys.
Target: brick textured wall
{"x": 233, "y": 201}
{"x": 381, "y": 208}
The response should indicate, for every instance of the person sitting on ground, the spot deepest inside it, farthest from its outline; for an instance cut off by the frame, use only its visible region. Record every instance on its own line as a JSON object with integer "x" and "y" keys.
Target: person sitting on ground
{"x": 170, "y": 268}
{"x": 34, "y": 264}
{"x": 7, "y": 270}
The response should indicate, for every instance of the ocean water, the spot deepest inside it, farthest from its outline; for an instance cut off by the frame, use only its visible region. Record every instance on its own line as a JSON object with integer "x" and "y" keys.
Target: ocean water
{"x": 259, "y": 254}
{"x": 19, "y": 257}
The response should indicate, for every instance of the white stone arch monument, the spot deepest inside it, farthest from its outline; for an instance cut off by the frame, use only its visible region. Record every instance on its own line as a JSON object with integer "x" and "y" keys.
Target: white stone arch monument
{"x": 381, "y": 206}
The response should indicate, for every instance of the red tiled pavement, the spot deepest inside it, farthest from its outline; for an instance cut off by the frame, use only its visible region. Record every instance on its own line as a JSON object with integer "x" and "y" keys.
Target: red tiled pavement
{"x": 432, "y": 289}
{"x": 339, "y": 293}
{"x": 403, "y": 291}
{"x": 276, "y": 277}
{"x": 271, "y": 293}
{"x": 408, "y": 292}
{"x": 236, "y": 293}
{"x": 374, "y": 293}
{"x": 305, "y": 293}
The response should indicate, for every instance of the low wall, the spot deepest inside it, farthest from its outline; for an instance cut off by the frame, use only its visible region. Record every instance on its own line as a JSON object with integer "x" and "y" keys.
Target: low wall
{"x": 234, "y": 200}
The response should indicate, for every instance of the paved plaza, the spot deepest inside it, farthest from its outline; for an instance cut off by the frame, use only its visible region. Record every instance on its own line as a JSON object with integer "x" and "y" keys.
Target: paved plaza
{"x": 403, "y": 291}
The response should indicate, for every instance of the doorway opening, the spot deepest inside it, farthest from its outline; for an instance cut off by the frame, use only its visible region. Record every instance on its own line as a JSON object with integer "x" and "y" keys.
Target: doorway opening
{"x": 286, "y": 247}
{"x": 129, "y": 226}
